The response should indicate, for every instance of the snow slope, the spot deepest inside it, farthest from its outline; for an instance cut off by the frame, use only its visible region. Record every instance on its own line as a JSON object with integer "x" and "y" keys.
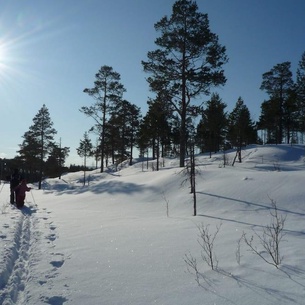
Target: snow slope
{"x": 111, "y": 242}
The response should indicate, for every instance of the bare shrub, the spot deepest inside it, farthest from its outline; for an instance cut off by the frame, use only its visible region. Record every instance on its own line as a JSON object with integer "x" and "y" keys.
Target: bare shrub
{"x": 206, "y": 240}
{"x": 192, "y": 266}
{"x": 238, "y": 252}
{"x": 271, "y": 238}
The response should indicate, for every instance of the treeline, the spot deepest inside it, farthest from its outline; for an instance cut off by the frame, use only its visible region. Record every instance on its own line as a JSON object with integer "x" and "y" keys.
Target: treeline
{"x": 283, "y": 114}
{"x": 186, "y": 65}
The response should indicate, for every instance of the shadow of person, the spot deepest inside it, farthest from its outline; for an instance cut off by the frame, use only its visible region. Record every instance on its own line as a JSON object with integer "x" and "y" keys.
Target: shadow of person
{"x": 28, "y": 210}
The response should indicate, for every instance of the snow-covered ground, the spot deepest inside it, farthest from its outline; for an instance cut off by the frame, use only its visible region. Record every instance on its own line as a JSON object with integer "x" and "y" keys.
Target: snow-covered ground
{"x": 112, "y": 243}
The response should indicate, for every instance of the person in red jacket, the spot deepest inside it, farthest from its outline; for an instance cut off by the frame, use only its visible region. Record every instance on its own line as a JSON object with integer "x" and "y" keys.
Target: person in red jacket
{"x": 20, "y": 190}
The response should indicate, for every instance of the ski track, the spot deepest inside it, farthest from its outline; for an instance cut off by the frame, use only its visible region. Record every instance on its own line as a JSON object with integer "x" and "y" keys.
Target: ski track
{"x": 15, "y": 272}
{"x": 22, "y": 252}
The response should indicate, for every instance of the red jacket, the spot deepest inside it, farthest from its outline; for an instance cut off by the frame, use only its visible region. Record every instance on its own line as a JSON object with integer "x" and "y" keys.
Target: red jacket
{"x": 22, "y": 188}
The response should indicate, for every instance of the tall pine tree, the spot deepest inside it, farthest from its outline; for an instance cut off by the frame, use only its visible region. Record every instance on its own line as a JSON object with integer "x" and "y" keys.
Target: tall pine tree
{"x": 106, "y": 91}
{"x": 187, "y": 63}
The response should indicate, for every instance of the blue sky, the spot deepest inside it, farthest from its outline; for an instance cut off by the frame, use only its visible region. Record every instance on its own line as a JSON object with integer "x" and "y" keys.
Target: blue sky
{"x": 51, "y": 50}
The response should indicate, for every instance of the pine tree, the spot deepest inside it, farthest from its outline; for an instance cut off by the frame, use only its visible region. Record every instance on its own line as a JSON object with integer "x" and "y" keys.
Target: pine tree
{"x": 39, "y": 140}
{"x": 212, "y": 126}
{"x": 133, "y": 119}
{"x": 269, "y": 120}
{"x": 29, "y": 155}
{"x": 278, "y": 84}
{"x": 241, "y": 129}
{"x": 85, "y": 150}
{"x": 107, "y": 90}
{"x": 291, "y": 113}
{"x": 122, "y": 129}
{"x": 155, "y": 129}
{"x": 187, "y": 63}
{"x": 300, "y": 89}
{"x": 56, "y": 160}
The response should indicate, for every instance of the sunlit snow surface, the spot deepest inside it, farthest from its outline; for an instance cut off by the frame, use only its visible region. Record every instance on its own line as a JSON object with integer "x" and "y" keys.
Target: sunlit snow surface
{"x": 112, "y": 243}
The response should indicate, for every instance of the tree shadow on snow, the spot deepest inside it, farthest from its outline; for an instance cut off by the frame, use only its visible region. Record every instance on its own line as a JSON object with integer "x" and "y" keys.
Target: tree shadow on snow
{"x": 109, "y": 187}
{"x": 259, "y": 206}
{"x": 297, "y": 233}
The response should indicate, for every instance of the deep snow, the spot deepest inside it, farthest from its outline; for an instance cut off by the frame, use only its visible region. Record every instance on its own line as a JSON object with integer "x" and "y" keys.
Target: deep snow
{"x": 112, "y": 243}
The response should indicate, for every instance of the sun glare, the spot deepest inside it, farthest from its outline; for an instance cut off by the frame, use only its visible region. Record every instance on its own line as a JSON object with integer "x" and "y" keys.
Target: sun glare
{"x": 2, "y": 52}
{"x": 10, "y": 61}
{"x": 4, "y": 59}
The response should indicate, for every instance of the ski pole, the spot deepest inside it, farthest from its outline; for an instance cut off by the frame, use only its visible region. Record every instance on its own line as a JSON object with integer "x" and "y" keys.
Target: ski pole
{"x": 2, "y": 187}
{"x": 33, "y": 199}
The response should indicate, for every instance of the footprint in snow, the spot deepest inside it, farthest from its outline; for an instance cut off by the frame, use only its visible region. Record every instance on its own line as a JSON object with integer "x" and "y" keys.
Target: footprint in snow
{"x": 51, "y": 237}
{"x": 52, "y": 227}
{"x": 58, "y": 261}
{"x": 57, "y": 264}
{"x": 57, "y": 253}
{"x": 56, "y": 300}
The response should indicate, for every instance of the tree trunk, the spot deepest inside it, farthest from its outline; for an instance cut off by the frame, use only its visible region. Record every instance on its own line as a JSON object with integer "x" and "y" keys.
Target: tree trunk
{"x": 193, "y": 178}
{"x": 183, "y": 113}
